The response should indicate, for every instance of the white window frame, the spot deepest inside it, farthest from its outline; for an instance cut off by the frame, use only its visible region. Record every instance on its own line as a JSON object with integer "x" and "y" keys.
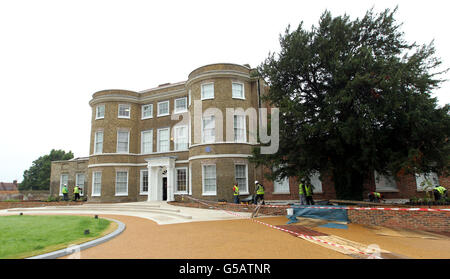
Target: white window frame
{"x": 243, "y": 91}
{"x": 242, "y": 140}
{"x": 77, "y": 182}
{"x": 241, "y": 190}
{"x": 168, "y": 108}
{"x": 141, "y": 183}
{"x": 175, "y": 105}
{"x": 142, "y": 111}
{"x": 201, "y": 88}
{"x": 430, "y": 176}
{"x": 158, "y": 139}
{"x": 128, "y": 142}
{"x": 61, "y": 183}
{"x": 95, "y": 142}
{"x": 176, "y": 180}
{"x": 203, "y": 132}
{"x": 210, "y": 193}
{"x": 129, "y": 111}
{"x": 121, "y": 194}
{"x": 176, "y": 138}
{"x": 142, "y": 141}
{"x": 279, "y": 186}
{"x": 380, "y": 185}
{"x": 97, "y": 111}
{"x": 93, "y": 184}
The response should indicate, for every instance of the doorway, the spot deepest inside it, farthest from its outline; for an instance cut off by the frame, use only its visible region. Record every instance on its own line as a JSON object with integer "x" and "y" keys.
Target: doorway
{"x": 164, "y": 184}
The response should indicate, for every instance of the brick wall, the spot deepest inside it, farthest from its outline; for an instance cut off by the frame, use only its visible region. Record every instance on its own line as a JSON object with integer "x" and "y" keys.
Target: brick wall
{"x": 415, "y": 220}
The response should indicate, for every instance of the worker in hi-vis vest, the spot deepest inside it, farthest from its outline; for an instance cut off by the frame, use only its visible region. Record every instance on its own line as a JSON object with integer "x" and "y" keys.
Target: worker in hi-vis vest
{"x": 302, "y": 192}
{"x": 65, "y": 192}
{"x": 236, "y": 193}
{"x": 375, "y": 197}
{"x": 309, "y": 193}
{"x": 259, "y": 189}
{"x": 76, "y": 192}
{"x": 439, "y": 193}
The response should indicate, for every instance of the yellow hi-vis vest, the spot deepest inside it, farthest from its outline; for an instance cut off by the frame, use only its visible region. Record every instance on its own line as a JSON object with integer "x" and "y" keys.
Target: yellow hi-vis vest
{"x": 440, "y": 189}
{"x": 64, "y": 190}
{"x": 307, "y": 189}
{"x": 236, "y": 190}
{"x": 76, "y": 190}
{"x": 376, "y": 194}
{"x": 259, "y": 190}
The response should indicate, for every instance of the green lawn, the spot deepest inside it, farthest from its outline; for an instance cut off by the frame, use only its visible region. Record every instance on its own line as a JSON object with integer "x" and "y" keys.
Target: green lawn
{"x": 25, "y": 236}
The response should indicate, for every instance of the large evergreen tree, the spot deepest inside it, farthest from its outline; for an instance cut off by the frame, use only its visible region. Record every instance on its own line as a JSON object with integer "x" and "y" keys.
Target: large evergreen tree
{"x": 355, "y": 97}
{"x": 37, "y": 177}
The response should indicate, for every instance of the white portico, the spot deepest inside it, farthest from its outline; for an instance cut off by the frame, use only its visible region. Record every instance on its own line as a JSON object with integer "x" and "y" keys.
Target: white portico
{"x": 161, "y": 176}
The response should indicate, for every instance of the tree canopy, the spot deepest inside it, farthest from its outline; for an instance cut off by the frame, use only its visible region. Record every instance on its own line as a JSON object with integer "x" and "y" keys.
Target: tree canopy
{"x": 37, "y": 177}
{"x": 354, "y": 98}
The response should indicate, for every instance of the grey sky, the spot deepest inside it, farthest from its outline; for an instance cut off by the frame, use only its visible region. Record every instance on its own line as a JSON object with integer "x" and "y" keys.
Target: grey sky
{"x": 55, "y": 54}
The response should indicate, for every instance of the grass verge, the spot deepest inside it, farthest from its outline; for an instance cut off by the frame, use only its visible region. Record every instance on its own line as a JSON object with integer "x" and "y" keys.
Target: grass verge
{"x": 26, "y": 236}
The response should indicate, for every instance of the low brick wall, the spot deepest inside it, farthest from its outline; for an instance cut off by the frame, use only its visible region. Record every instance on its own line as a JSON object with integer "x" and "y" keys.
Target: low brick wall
{"x": 415, "y": 220}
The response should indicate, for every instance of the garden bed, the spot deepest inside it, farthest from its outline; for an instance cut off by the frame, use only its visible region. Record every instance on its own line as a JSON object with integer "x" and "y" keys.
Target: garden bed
{"x": 25, "y": 204}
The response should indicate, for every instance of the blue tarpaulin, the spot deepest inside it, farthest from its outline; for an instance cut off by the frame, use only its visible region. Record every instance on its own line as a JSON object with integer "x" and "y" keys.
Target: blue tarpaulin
{"x": 339, "y": 215}
{"x": 334, "y": 226}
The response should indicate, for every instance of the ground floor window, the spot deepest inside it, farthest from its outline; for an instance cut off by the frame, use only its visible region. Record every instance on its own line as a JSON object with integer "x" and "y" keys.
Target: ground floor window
{"x": 209, "y": 180}
{"x": 426, "y": 181}
{"x": 80, "y": 179}
{"x": 144, "y": 182}
{"x": 63, "y": 180}
{"x": 241, "y": 178}
{"x": 316, "y": 182}
{"x": 181, "y": 180}
{"x": 385, "y": 182}
{"x": 96, "y": 183}
{"x": 121, "y": 183}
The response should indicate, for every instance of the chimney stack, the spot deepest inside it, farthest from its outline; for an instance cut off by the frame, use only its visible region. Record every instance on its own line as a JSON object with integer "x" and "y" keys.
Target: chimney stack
{"x": 15, "y": 182}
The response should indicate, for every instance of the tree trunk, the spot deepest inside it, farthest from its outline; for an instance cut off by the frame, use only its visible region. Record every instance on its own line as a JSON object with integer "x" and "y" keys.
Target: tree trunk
{"x": 348, "y": 184}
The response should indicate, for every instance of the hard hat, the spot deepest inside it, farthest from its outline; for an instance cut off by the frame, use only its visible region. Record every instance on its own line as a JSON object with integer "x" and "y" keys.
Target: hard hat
{"x": 256, "y": 181}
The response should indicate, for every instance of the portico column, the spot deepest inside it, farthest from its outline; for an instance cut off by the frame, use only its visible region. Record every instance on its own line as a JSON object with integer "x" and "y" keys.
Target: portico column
{"x": 171, "y": 181}
{"x": 152, "y": 183}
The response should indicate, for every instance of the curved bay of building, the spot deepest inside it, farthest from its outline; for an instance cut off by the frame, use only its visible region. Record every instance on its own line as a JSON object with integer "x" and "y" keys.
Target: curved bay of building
{"x": 155, "y": 145}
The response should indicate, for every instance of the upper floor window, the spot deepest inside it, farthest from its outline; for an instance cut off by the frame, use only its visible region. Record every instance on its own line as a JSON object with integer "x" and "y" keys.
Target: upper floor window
{"x": 147, "y": 111}
{"x": 98, "y": 145}
{"x": 180, "y": 105}
{"x": 163, "y": 140}
{"x": 181, "y": 137}
{"x": 208, "y": 129}
{"x": 239, "y": 128}
{"x": 147, "y": 142}
{"x": 100, "y": 112}
{"x": 124, "y": 111}
{"x": 163, "y": 108}
{"x": 207, "y": 91}
{"x": 123, "y": 137}
{"x": 238, "y": 90}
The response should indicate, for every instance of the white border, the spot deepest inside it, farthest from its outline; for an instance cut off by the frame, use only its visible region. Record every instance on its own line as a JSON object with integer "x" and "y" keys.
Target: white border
{"x": 176, "y": 192}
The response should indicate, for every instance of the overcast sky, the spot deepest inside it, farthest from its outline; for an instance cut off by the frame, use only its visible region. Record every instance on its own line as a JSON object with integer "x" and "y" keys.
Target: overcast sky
{"x": 55, "y": 54}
